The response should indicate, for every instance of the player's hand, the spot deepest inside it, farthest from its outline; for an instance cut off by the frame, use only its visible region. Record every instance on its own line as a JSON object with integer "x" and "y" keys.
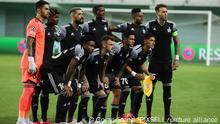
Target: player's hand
{"x": 152, "y": 76}
{"x": 117, "y": 81}
{"x": 32, "y": 66}
{"x": 105, "y": 80}
{"x": 101, "y": 85}
{"x": 85, "y": 86}
{"x": 175, "y": 65}
{"x": 139, "y": 76}
{"x": 67, "y": 91}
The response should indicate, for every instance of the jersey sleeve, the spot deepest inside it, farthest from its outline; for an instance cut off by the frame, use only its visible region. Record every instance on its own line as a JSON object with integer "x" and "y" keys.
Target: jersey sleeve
{"x": 133, "y": 55}
{"x": 31, "y": 29}
{"x": 147, "y": 26}
{"x": 122, "y": 27}
{"x": 78, "y": 52}
{"x": 115, "y": 50}
{"x": 174, "y": 30}
{"x": 60, "y": 33}
{"x": 85, "y": 27}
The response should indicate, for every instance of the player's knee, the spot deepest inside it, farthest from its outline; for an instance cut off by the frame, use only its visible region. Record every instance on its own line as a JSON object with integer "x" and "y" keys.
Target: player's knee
{"x": 101, "y": 93}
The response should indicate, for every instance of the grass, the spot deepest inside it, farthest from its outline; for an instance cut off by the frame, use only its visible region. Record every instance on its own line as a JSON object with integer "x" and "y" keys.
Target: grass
{"x": 195, "y": 93}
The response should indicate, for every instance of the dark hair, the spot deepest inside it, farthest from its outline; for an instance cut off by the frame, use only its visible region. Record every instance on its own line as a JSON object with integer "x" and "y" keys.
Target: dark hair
{"x": 126, "y": 34}
{"x": 158, "y": 6}
{"x": 96, "y": 8}
{"x": 86, "y": 38}
{"x": 40, "y": 4}
{"x": 74, "y": 10}
{"x": 54, "y": 11}
{"x": 135, "y": 10}
{"x": 107, "y": 37}
{"x": 148, "y": 35}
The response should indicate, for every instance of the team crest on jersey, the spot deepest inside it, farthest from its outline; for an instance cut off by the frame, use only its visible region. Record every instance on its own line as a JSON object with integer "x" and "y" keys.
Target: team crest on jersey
{"x": 72, "y": 34}
{"x": 48, "y": 33}
{"x": 132, "y": 29}
{"x": 169, "y": 30}
{"x": 94, "y": 29}
{"x": 154, "y": 29}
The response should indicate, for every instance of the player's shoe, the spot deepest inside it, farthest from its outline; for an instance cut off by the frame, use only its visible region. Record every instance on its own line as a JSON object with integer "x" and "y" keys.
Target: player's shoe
{"x": 148, "y": 119}
{"x": 130, "y": 115}
{"x": 169, "y": 119}
{"x": 85, "y": 120}
{"x": 37, "y": 122}
{"x": 124, "y": 119}
{"x": 45, "y": 122}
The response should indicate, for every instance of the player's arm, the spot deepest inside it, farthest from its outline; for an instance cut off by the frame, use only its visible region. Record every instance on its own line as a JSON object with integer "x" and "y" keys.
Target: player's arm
{"x": 144, "y": 68}
{"x": 69, "y": 76}
{"x": 29, "y": 45}
{"x": 176, "y": 46}
{"x": 83, "y": 80}
{"x": 139, "y": 76}
{"x": 119, "y": 28}
{"x": 102, "y": 70}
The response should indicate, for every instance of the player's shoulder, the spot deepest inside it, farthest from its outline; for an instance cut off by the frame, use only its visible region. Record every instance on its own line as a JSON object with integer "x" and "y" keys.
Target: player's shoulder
{"x": 96, "y": 52}
{"x": 33, "y": 21}
{"x": 171, "y": 22}
{"x": 118, "y": 44}
{"x": 152, "y": 21}
{"x": 66, "y": 26}
{"x": 136, "y": 49}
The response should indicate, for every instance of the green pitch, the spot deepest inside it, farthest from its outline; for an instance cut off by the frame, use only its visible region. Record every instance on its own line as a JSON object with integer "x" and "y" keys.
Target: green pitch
{"x": 196, "y": 96}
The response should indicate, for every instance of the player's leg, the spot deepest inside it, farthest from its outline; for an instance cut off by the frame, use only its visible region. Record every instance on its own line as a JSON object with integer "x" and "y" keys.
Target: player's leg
{"x": 103, "y": 108}
{"x": 116, "y": 95}
{"x": 44, "y": 100}
{"x": 137, "y": 97}
{"x": 149, "y": 101}
{"x": 53, "y": 83}
{"x": 156, "y": 69}
{"x": 167, "y": 98}
{"x": 34, "y": 104}
{"x": 73, "y": 101}
{"x": 100, "y": 102}
{"x": 82, "y": 108}
{"x": 125, "y": 92}
{"x": 25, "y": 102}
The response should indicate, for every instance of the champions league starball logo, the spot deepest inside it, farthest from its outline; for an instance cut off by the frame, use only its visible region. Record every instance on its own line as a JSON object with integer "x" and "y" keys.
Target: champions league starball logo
{"x": 188, "y": 53}
{"x": 21, "y": 46}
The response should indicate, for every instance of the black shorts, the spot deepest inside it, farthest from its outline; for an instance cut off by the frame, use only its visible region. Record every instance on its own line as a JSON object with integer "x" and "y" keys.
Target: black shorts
{"x": 134, "y": 82}
{"x": 124, "y": 81}
{"x": 111, "y": 82}
{"x": 54, "y": 82}
{"x": 163, "y": 71}
{"x": 93, "y": 87}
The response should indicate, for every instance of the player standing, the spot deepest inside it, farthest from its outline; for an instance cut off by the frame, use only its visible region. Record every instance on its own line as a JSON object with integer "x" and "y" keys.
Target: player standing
{"x": 72, "y": 32}
{"x": 136, "y": 25}
{"x": 52, "y": 36}
{"x": 32, "y": 59}
{"x": 161, "y": 62}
